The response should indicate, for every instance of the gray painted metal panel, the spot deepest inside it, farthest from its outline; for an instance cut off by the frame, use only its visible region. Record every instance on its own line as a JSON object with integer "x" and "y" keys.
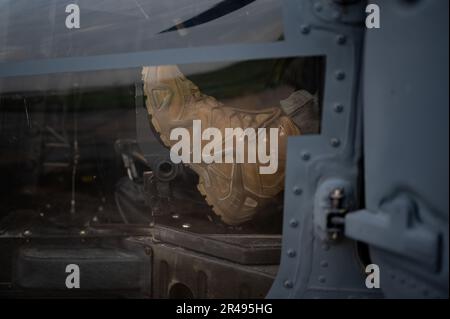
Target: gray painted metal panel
{"x": 311, "y": 266}
{"x": 406, "y": 109}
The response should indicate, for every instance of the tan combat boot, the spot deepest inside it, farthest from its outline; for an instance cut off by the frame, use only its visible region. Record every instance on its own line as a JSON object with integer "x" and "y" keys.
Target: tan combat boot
{"x": 236, "y": 191}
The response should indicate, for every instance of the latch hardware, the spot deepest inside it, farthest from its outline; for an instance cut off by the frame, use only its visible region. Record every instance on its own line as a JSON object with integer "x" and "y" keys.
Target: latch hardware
{"x": 336, "y": 214}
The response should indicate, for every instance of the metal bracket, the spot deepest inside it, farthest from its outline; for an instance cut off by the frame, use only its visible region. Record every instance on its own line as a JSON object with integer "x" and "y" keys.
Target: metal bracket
{"x": 397, "y": 230}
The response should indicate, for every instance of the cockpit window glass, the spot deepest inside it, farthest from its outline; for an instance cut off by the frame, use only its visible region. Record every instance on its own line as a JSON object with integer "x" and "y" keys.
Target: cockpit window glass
{"x": 42, "y": 29}
{"x": 103, "y": 141}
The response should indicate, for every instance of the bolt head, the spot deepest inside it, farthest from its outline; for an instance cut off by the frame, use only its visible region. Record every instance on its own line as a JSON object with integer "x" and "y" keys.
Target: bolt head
{"x": 297, "y": 190}
{"x": 305, "y": 29}
{"x": 338, "y": 108}
{"x": 336, "y": 15}
{"x": 288, "y": 284}
{"x": 341, "y": 39}
{"x": 291, "y": 253}
{"x": 340, "y": 75}
{"x": 306, "y": 156}
{"x": 318, "y": 7}
{"x": 335, "y": 142}
{"x": 293, "y": 223}
{"x": 337, "y": 193}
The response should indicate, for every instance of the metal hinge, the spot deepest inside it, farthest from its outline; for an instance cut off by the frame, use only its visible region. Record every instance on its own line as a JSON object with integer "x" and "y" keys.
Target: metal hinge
{"x": 334, "y": 199}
